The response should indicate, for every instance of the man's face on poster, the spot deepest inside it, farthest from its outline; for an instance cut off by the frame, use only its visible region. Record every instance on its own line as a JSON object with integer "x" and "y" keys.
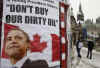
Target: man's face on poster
{"x": 16, "y": 44}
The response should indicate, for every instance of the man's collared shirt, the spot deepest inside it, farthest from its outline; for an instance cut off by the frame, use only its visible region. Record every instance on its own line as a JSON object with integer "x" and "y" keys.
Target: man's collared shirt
{"x": 19, "y": 64}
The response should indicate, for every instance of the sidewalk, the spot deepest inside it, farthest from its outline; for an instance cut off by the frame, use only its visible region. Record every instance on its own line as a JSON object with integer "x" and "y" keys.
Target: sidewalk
{"x": 95, "y": 62}
{"x": 85, "y": 62}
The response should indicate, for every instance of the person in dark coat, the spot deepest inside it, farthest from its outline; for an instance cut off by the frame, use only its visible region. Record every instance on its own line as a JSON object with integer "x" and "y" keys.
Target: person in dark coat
{"x": 90, "y": 49}
{"x": 17, "y": 44}
{"x": 79, "y": 45}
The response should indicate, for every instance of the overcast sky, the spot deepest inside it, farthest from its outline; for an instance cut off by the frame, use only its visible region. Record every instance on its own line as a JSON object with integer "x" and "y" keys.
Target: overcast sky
{"x": 91, "y": 8}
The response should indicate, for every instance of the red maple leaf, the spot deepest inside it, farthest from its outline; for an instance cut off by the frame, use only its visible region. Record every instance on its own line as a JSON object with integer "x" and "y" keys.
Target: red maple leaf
{"x": 36, "y": 45}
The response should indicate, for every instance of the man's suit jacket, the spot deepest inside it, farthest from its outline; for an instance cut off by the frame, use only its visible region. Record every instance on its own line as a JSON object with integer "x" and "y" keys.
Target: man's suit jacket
{"x": 35, "y": 64}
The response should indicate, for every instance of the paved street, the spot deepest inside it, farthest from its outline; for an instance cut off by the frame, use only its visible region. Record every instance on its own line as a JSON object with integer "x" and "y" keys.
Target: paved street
{"x": 85, "y": 62}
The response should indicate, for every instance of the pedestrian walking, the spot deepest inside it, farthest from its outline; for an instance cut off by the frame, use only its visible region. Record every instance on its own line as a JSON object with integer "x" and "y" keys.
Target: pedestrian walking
{"x": 90, "y": 49}
{"x": 79, "y": 45}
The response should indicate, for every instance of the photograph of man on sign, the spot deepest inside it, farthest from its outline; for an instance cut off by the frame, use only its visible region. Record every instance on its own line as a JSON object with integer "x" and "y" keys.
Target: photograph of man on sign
{"x": 16, "y": 46}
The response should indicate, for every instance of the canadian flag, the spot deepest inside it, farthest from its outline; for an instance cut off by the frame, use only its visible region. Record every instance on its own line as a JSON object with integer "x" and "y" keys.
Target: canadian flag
{"x": 36, "y": 45}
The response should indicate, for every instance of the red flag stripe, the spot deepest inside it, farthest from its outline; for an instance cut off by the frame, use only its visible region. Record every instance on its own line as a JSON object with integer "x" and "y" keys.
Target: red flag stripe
{"x": 64, "y": 65}
{"x": 62, "y": 16}
{"x": 63, "y": 32}
{"x": 63, "y": 48}
{"x": 63, "y": 36}
{"x": 62, "y": 4}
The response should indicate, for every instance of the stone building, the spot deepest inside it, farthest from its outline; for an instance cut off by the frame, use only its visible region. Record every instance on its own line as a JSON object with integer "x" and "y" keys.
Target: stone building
{"x": 80, "y": 21}
{"x": 76, "y": 25}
